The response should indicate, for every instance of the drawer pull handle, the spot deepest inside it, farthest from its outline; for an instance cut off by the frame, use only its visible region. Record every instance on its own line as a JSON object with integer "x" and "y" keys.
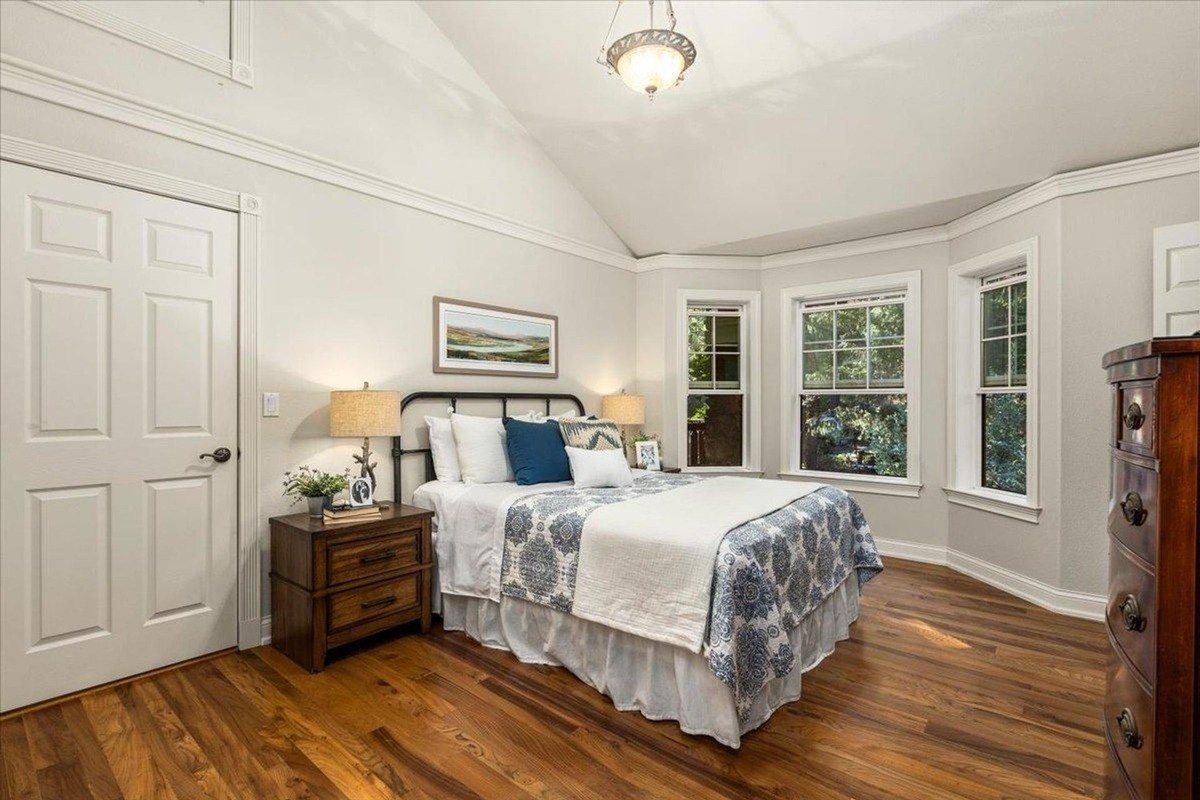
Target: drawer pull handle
{"x": 1129, "y": 731}
{"x": 383, "y": 601}
{"x": 1132, "y": 613}
{"x": 386, "y": 555}
{"x": 1134, "y": 417}
{"x": 1132, "y": 509}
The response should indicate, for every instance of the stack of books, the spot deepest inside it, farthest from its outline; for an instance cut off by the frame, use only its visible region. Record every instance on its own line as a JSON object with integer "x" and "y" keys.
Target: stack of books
{"x": 352, "y": 513}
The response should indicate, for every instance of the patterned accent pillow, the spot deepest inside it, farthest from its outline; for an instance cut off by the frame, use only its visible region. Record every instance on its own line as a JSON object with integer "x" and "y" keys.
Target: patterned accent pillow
{"x": 601, "y": 434}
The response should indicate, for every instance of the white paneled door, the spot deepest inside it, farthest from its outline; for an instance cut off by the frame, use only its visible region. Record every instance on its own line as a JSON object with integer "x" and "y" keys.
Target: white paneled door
{"x": 118, "y": 370}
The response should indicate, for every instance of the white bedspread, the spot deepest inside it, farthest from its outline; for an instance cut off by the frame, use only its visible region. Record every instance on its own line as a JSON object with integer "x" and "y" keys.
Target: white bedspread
{"x": 646, "y": 564}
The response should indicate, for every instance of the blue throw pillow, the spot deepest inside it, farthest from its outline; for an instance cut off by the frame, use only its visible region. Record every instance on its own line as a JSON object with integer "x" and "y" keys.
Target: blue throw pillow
{"x": 536, "y": 452}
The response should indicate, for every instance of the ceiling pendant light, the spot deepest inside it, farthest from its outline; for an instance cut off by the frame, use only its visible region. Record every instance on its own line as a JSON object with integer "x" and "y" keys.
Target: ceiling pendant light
{"x": 650, "y": 60}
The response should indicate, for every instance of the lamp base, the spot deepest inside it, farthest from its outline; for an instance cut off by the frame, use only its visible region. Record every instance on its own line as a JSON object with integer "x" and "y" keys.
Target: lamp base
{"x": 368, "y": 466}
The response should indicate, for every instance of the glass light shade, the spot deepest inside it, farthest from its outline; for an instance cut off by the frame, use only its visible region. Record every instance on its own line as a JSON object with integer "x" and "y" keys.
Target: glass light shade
{"x": 364, "y": 412}
{"x": 651, "y": 60}
{"x": 624, "y": 409}
{"x": 650, "y": 68}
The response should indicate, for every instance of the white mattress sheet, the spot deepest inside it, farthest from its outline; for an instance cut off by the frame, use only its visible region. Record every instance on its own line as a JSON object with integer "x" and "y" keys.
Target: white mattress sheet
{"x": 469, "y": 531}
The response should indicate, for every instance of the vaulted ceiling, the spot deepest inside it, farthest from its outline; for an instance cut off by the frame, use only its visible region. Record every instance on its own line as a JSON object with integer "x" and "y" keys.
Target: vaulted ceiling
{"x": 808, "y": 123}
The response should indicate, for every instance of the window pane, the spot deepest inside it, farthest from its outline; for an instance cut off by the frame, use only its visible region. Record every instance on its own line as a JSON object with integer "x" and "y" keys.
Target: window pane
{"x": 728, "y": 334}
{"x": 714, "y": 430}
{"x": 857, "y": 433}
{"x": 887, "y": 366}
{"x": 1018, "y": 360}
{"x": 852, "y": 327}
{"x": 818, "y": 330}
{"x": 851, "y": 369}
{"x": 1018, "y": 310}
{"x": 818, "y": 370}
{"x": 994, "y": 316}
{"x": 887, "y": 325}
{"x": 1004, "y": 442}
{"x": 699, "y": 333}
{"x": 700, "y": 371}
{"x": 728, "y": 372}
{"x": 994, "y": 369}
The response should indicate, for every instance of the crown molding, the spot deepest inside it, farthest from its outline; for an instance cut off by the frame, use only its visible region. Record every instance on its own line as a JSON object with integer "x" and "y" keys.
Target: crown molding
{"x": 237, "y": 67}
{"x": 672, "y": 261}
{"x": 25, "y": 78}
{"x": 857, "y": 247}
{"x": 1107, "y": 176}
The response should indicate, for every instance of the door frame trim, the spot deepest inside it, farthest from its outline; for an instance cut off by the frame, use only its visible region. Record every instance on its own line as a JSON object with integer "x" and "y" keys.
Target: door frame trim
{"x": 248, "y": 207}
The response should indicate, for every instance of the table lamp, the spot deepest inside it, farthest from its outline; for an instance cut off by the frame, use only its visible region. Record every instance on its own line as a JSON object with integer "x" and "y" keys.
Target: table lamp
{"x": 624, "y": 409}
{"x": 364, "y": 412}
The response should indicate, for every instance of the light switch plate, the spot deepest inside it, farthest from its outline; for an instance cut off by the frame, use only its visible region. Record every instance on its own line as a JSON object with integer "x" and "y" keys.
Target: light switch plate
{"x": 270, "y": 404}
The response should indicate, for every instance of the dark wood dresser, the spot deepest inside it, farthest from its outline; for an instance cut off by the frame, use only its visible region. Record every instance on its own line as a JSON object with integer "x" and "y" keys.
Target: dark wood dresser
{"x": 334, "y": 584}
{"x": 1151, "y": 709}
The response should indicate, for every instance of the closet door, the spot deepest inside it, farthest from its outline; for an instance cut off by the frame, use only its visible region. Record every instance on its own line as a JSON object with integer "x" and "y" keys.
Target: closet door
{"x": 118, "y": 370}
{"x": 1177, "y": 280}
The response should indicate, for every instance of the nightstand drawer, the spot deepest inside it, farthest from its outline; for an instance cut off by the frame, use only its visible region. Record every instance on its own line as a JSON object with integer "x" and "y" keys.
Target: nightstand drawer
{"x": 354, "y": 561}
{"x": 357, "y": 605}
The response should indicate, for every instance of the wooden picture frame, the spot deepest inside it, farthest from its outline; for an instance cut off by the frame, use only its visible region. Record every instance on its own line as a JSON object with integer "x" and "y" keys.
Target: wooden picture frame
{"x": 479, "y": 339}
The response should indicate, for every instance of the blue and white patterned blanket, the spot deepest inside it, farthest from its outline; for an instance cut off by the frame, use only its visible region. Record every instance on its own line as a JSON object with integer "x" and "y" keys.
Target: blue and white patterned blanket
{"x": 770, "y": 572}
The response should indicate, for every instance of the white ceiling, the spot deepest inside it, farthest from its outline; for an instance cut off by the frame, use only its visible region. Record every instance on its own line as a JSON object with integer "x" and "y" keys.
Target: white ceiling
{"x": 807, "y": 123}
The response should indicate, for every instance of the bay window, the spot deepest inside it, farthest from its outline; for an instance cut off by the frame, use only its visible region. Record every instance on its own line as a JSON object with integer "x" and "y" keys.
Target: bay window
{"x": 851, "y": 405}
{"x": 719, "y": 428}
{"x": 993, "y": 382}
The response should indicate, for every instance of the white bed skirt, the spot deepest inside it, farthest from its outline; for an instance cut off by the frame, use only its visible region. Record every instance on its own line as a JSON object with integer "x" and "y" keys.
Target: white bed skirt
{"x": 661, "y": 681}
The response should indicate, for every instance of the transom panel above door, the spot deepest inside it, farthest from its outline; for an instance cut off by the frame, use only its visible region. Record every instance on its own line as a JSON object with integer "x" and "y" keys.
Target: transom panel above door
{"x": 118, "y": 365}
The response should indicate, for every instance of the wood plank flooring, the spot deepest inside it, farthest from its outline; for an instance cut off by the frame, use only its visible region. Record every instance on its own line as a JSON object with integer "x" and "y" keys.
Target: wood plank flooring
{"x": 947, "y": 689}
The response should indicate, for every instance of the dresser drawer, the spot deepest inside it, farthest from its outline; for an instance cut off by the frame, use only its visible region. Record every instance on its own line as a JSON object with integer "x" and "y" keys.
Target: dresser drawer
{"x": 1134, "y": 411}
{"x": 351, "y": 561}
{"x": 1132, "y": 610}
{"x": 358, "y": 605}
{"x": 1133, "y": 507}
{"x": 1127, "y": 701}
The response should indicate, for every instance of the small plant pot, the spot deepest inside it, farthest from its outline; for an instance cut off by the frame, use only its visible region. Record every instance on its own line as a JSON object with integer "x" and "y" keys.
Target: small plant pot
{"x": 316, "y": 506}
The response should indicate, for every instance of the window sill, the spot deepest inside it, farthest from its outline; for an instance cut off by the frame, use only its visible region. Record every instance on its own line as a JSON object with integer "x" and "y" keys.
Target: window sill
{"x": 895, "y": 487}
{"x": 995, "y": 502}
{"x": 723, "y": 470}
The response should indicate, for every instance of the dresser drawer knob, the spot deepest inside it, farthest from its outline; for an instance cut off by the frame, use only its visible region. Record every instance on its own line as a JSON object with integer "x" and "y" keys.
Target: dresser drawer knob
{"x": 1132, "y": 614}
{"x": 386, "y": 555}
{"x": 1132, "y": 509}
{"x": 383, "y": 601}
{"x": 1129, "y": 731}
{"x": 1134, "y": 416}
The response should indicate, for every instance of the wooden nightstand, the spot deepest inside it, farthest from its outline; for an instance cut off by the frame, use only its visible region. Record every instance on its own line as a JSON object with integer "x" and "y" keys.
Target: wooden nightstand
{"x": 334, "y": 584}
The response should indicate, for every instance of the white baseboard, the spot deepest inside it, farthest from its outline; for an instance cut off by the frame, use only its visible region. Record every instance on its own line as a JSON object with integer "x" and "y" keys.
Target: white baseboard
{"x": 265, "y": 630}
{"x": 911, "y": 551}
{"x": 1051, "y": 598}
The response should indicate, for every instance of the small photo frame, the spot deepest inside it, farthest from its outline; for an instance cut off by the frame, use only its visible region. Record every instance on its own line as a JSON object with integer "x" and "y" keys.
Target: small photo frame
{"x": 646, "y": 455}
{"x": 361, "y": 493}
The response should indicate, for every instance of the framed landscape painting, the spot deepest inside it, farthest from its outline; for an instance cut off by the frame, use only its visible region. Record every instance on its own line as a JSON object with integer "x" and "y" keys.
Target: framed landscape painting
{"x": 476, "y": 339}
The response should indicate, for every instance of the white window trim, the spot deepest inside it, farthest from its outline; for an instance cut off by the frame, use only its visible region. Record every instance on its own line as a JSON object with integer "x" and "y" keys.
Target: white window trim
{"x": 963, "y": 451}
{"x": 790, "y": 299}
{"x": 751, "y": 302}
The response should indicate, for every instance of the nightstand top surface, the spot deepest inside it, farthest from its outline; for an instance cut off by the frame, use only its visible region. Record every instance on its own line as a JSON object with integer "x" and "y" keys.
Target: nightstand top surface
{"x": 391, "y": 512}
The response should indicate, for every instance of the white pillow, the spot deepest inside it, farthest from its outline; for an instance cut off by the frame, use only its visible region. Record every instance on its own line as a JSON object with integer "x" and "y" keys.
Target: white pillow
{"x": 445, "y": 454}
{"x": 482, "y": 448}
{"x": 598, "y": 469}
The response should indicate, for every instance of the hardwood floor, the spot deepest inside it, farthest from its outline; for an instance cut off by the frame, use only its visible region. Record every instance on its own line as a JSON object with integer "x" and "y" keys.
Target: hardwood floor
{"x": 947, "y": 689}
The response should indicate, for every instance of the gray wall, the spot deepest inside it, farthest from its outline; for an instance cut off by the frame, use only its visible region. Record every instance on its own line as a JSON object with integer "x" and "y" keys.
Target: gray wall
{"x": 1095, "y": 294}
{"x": 347, "y": 280}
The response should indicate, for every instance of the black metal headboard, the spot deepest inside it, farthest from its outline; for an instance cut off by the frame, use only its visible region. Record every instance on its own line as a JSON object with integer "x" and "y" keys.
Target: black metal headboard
{"x": 398, "y": 451}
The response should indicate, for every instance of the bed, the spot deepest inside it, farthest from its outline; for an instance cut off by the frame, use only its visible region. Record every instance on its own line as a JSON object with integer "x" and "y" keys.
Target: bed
{"x": 522, "y": 568}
